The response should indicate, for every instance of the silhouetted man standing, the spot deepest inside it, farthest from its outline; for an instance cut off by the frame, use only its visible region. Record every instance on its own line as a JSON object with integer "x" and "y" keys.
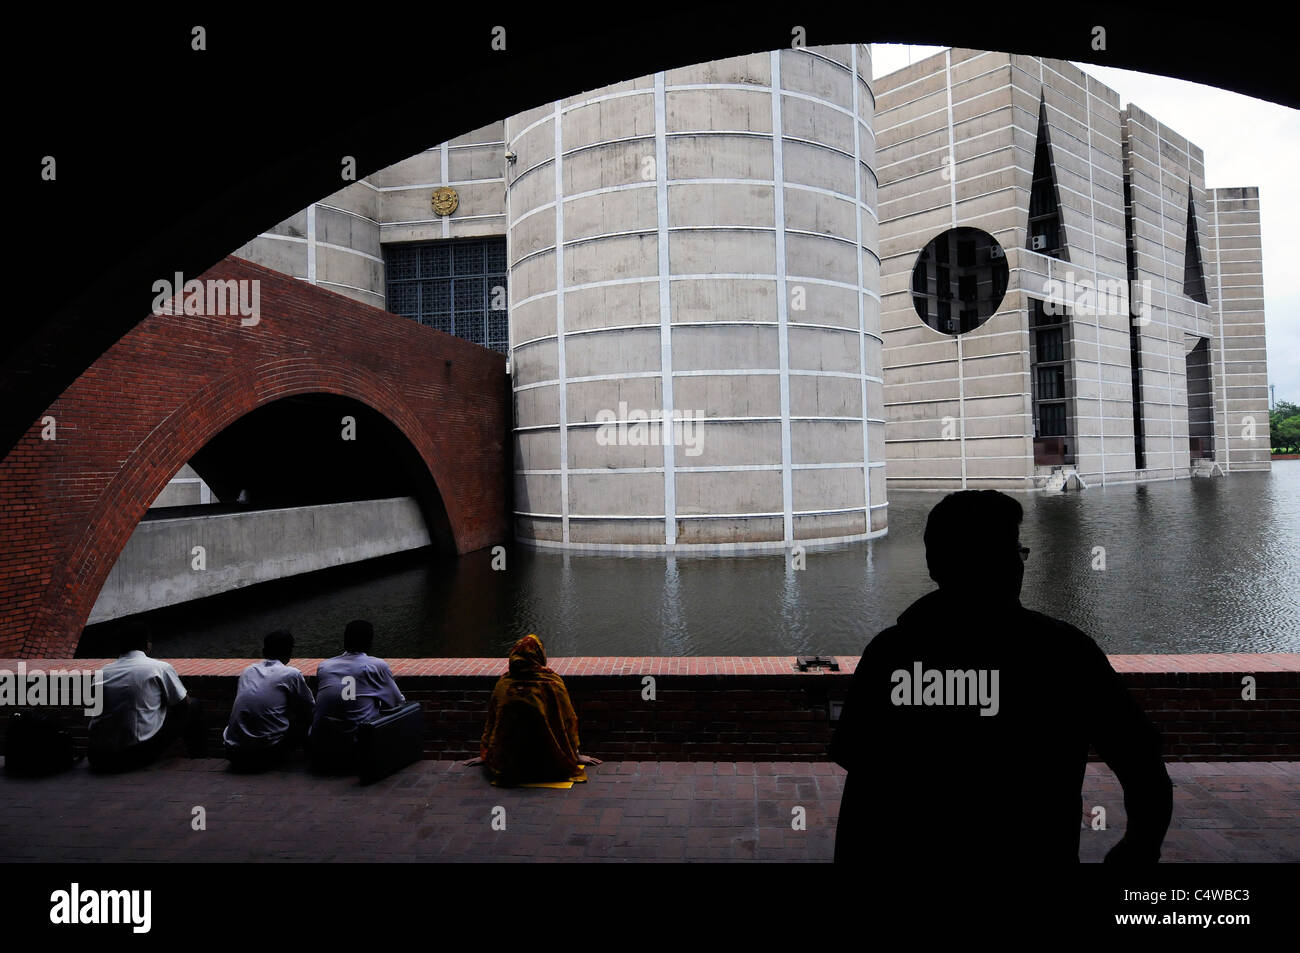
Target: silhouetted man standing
{"x": 967, "y": 725}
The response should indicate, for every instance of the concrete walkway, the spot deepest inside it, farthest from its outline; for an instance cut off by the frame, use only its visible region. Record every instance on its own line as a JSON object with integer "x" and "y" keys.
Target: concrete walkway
{"x": 675, "y": 811}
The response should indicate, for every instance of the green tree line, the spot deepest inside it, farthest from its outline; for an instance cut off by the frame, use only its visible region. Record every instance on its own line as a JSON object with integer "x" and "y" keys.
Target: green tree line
{"x": 1284, "y": 425}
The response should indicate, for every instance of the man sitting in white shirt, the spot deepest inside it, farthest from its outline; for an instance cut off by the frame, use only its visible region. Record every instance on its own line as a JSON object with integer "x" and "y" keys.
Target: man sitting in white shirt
{"x": 146, "y": 708}
{"x": 351, "y": 688}
{"x": 272, "y": 710}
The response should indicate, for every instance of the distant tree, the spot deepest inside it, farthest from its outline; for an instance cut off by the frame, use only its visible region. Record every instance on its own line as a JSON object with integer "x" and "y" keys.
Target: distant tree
{"x": 1286, "y": 433}
{"x": 1282, "y": 423}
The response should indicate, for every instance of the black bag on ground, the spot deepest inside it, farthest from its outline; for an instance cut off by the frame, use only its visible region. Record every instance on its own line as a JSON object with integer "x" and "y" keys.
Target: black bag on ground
{"x": 390, "y": 742}
{"x": 35, "y": 745}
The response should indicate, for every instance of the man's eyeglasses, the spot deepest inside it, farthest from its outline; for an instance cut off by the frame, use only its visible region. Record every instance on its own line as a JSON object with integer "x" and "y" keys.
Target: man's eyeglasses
{"x": 1024, "y": 554}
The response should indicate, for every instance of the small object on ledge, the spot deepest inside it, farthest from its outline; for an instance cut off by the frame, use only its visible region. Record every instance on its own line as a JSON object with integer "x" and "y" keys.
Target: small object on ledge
{"x": 805, "y": 662}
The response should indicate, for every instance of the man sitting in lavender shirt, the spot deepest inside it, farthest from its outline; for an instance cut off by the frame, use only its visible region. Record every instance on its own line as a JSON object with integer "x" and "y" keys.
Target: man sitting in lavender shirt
{"x": 272, "y": 710}
{"x": 351, "y": 689}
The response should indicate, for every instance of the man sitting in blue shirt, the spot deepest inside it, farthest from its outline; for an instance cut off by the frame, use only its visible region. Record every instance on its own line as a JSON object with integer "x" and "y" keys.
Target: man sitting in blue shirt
{"x": 146, "y": 708}
{"x": 272, "y": 710}
{"x": 351, "y": 689}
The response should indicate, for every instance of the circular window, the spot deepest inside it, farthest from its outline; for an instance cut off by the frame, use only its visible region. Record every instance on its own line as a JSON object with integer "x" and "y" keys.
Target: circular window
{"x": 959, "y": 280}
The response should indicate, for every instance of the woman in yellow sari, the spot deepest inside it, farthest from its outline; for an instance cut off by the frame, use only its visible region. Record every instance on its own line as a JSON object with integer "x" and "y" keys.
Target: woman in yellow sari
{"x": 532, "y": 730}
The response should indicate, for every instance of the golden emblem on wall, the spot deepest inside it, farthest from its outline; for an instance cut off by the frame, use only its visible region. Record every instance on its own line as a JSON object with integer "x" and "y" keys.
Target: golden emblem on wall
{"x": 445, "y": 200}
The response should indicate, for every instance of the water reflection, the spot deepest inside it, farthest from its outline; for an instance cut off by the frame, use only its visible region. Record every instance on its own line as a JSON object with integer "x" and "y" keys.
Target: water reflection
{"x": 1189, "y": 566}
{"x": 672, "y": 625}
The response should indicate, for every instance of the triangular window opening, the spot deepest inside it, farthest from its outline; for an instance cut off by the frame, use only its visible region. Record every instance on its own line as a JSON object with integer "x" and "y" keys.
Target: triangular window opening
{"x": 1046, "y": 234}
{"x": 1193, "y": 273}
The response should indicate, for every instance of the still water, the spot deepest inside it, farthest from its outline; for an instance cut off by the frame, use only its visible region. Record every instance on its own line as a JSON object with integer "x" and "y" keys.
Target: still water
{"x": 1191, "y": 566}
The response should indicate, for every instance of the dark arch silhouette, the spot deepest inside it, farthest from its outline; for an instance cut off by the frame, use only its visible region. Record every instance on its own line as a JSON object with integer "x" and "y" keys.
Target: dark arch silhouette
{"x": 215, "y": 155}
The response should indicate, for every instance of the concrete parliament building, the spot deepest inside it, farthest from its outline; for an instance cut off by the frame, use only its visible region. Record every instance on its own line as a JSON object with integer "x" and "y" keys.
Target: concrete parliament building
{"x": 743, "y": 299}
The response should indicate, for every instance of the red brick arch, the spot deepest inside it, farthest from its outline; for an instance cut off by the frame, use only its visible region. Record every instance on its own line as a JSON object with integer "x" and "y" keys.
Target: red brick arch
{"x": 69, "y": 505}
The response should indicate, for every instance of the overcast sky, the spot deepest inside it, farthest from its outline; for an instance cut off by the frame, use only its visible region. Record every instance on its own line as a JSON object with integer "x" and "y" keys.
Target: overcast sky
{"x": 1246, "y": 142}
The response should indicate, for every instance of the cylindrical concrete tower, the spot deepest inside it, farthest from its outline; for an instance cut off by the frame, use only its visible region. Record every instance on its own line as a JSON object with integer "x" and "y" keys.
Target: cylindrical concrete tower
{"x": 711, "y": 263}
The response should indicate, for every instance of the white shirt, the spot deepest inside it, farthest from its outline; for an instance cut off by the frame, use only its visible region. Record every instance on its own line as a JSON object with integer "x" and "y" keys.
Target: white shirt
{"x": 137, "y": 691}
{"x": 373, "y": 688}
{"x": 268, "y": 692}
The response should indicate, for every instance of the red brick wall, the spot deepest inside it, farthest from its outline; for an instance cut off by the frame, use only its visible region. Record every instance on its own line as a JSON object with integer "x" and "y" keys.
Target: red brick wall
{"x": 761, "y": 710}
{"x": 68, "y": 505}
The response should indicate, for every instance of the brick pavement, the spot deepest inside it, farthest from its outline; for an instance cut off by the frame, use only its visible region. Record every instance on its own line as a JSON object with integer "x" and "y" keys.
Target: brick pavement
{"x": 629, "y": 811}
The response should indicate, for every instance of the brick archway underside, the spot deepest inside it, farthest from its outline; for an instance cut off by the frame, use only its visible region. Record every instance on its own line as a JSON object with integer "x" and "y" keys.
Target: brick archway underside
{"x": 120, "y": 432}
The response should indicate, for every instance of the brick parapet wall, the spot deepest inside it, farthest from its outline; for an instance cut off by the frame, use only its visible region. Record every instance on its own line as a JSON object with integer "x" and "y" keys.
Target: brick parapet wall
{"x": 760, "y": 709}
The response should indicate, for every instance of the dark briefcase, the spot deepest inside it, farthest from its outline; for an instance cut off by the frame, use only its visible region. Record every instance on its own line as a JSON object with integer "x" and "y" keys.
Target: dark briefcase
{"x": 37, "y": 744}
{"x": 389, "y": 743}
